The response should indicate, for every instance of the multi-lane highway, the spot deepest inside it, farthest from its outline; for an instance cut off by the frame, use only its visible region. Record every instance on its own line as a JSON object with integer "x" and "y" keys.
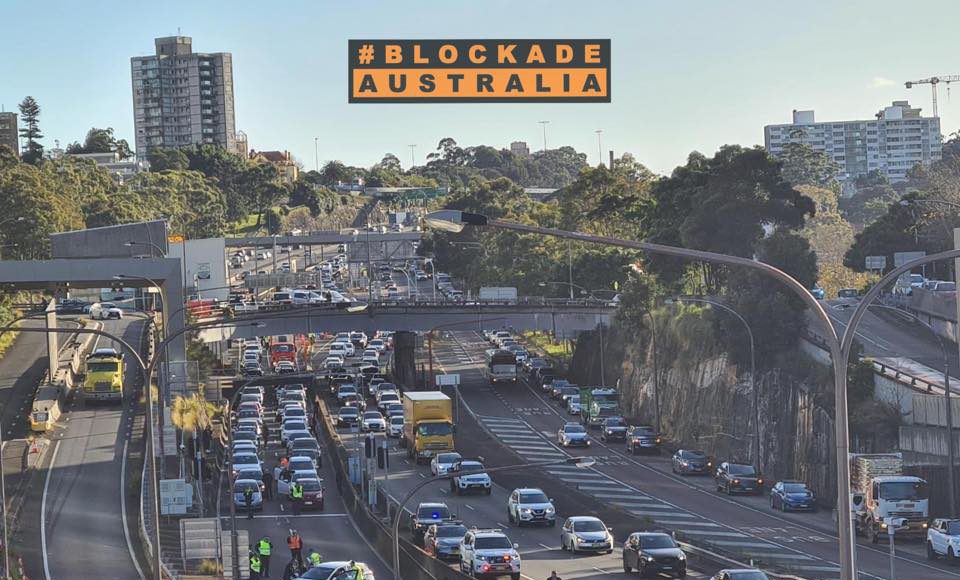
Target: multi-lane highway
{"x": 525, "y": 422}
{"x": 77, "y": 510}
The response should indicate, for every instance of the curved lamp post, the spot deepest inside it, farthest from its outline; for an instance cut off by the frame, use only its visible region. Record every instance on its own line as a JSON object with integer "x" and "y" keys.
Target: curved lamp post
{"x": 456, "y": 221}
{"x": 581, "y": 462}
{"x": 753, "y": 368}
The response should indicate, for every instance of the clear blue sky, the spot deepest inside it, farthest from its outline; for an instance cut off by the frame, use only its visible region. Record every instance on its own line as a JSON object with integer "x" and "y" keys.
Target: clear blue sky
{"x": 687, "y": 75}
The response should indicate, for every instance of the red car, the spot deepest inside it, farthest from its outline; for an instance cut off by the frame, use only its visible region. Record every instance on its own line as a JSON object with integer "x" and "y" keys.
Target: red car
{"x": 312, "y": 494}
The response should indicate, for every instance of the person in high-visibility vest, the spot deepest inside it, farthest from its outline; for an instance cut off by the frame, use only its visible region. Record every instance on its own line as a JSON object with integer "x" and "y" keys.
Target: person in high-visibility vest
{"x": 295, "y": 543}
{"x": 358, "y": 569}
{"x": 264, "y": 548}
{"x": 296, "y": 496}
{"x": 255, "y": 566}
{"x": 315, "y": 559}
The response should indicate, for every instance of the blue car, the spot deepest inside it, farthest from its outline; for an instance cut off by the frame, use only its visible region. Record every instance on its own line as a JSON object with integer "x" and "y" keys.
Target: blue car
{"x": 792, "y": 496}
{"x": 818, "y": 293}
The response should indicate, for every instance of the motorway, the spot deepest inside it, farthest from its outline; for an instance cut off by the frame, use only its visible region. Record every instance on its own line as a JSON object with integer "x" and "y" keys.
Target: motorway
{"x": 526, "y": 422}
{"x": 78, "y": 511}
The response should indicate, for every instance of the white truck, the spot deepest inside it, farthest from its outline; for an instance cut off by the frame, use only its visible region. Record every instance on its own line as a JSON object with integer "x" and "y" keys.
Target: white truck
{"x": 880, "y": 491}
{"x": 943, "y": 540}
{"x": 503, "y": 294}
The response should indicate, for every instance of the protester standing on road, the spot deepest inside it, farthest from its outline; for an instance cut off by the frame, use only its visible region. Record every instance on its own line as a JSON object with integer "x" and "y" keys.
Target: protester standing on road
{"x": 314, "y": 559}
{"x": 295, "y": 543}
{"x": 268, "y": 484}
{"x": 264, "y": 548}
{"x": 255, "y": 566}
{"x": 553, "y": 576}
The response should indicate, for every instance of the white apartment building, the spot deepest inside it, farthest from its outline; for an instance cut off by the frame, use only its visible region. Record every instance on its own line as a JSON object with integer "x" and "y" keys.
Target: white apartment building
{"x": 897, "y": 139}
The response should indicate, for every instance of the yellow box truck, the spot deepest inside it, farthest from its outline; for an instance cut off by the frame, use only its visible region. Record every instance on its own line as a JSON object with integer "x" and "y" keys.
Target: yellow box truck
{"x": 427, "y": 424}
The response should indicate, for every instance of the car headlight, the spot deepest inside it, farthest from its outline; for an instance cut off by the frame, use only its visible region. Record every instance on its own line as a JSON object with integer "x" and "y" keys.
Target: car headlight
{"x": 524, "y": 510}
{"x": 682, "y": 557}
{"x": 685, "y": 464}
{"x": 648, "y": 558}
{"x": 551, "y": 510}
{"x": 609, "y": 431}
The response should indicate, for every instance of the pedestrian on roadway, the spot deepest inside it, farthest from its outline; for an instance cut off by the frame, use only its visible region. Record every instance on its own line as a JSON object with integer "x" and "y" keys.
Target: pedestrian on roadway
{"x": 264, "y": 548}
{"x": 358, "y": 569}
{"x": 296, "y": 497}
{"x": 255, "y": 566}
{"x": 295, "y": 543}
{"x": 292, "y": 570}
{"x": 553, "y": 576}
{"x": 248, "y": 501}
{"x": 268, "y": 484}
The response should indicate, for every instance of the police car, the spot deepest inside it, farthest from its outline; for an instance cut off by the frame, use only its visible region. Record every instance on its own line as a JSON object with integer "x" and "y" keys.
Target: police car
{"x": 489, "y": 554}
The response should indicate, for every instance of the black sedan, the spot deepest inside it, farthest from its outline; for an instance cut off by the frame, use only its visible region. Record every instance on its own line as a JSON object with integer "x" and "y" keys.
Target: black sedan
{"x": 690, "y": 462}
{"x": 71, "y": 306}
{"x": 642, "y": 438}
{"x": 738, "y": 478}
{"x": 651, "y": 553}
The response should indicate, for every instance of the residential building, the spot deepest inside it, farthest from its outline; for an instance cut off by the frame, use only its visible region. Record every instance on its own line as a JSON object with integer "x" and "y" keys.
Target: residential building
{"x": 181, "y": 97}
{"x": 897, "y": 139}
{"x": 9, "y": 135}
{"x": 520, "y": 148}
{"x": 119, "y": 169}
{"x": 282, "y": 160}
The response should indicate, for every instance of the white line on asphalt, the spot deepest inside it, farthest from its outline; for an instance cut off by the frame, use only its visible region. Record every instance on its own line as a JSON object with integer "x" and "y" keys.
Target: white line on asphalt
{"x": 686, "y": 523}
{"x": 123, "y": 509}
{"x": 745, "y": 544}
{"x": 546, "y": 547}
{"x": 601, "y": 571}
{"x": 714, "y": 533}
{"x": 469, "y": 507}
{"x": 43, "y": 512}
{"x": 270, "y": 516}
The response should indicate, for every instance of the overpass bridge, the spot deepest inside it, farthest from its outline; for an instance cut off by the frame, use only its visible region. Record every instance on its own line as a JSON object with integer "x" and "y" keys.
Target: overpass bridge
{"x": 565, "y": 320}
{"x": 324, "y": 238}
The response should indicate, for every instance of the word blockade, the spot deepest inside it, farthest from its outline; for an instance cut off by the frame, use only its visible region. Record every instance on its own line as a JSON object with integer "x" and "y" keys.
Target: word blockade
{"x": 479, "y": 71}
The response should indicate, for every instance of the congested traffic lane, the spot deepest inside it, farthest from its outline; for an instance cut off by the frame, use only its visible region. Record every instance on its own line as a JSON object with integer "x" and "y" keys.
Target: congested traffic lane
{"x": 80, "y": 507}
{"x": 685, "y": 504}
{"x": 329, "y": 531}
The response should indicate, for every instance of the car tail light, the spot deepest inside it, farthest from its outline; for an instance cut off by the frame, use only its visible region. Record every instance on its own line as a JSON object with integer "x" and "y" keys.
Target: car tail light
{"x": 486, "y": 567}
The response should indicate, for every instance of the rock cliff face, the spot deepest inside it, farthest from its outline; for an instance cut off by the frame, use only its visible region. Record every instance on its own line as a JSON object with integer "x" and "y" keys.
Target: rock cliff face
{"x": 707, "y": 402}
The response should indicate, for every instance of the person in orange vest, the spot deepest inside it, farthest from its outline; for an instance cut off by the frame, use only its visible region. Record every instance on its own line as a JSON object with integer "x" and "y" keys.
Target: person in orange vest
{"x": 295, "y": 543}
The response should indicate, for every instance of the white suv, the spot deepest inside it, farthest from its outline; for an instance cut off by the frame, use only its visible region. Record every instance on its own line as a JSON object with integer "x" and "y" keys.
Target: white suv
{"x": 530, "y": 506}
{"x": 476, "y": 478}
{"x": 489, "y": 554}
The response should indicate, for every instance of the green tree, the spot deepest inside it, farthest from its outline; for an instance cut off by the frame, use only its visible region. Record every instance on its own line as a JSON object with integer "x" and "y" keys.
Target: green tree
{"x": 273, "y": 221}
{"x": 167, "y": 159}
{"x": 873, "y": 193}
{"x": 895, "y": 231}
{"x": 30, "y": 116}
{"x": 101, "y": 141}
{"x": 802, "y": 165}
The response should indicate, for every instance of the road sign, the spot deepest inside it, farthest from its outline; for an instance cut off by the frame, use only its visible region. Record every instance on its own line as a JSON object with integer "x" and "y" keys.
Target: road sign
{"x": 452, "y": 379}
{"x": 175, "y": 239}
{"x": 876, "y": 262}
{"x": 901, "y": 258}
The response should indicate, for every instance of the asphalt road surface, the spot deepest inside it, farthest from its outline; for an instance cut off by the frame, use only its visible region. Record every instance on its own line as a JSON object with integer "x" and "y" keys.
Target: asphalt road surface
{"x": 79, "y": 505}
{"x": 526, "y": 422}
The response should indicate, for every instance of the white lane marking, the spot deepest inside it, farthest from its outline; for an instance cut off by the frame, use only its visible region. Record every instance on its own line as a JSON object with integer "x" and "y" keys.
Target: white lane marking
{"x": 43, "y": 512}
{"x": 469, "y": 507}
{"x": 781, "y": 556}
{"x": 745, "y": 544}
{"x": 123, "y": 510}
{"x": 686, "y": 523}
{"x": 718, "y": 534}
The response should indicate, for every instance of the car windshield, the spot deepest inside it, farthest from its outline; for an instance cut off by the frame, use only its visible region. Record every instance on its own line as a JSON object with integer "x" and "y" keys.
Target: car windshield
{"x": 294, "y": 411}
{"x": 389, "y": 398}
{"x": 736, "y": 469}
{"x": 451, "y": 531}
{"x": 348, "y": 390}
{"x": 471, "y": 466}
{"x": 748, "y": 575}
{"x": 300, "y": 464}
{"x": 492, "y": 543}
{"x": 309, "y": 484}
{"x": 448, "y": 457}
{"x": 433, "y": 512}
{"x": 616, "y": 422}
{"x": 534, "y": 497}
{"x": 903, "y": 491}
{"x": 396, "y": 420}
{"x": 433, "y": 429}
{"x": 570, "y": 391}
{"x": 349, "y": 411}
{"x": 691, "y": 455}
{"x": 245, "y": 459}
{"x": 101, "y": 367}
{"x": 589, "y": 526}
{"x": 953, "y": 528}
{"x": 574, "y": 429}
{"x": 242, "y": 486}
{"x": 655, "y": 541}
{"x": 794, "y": 488}
{"x": 372, "y": 415}
{"x": 255, "y": 474}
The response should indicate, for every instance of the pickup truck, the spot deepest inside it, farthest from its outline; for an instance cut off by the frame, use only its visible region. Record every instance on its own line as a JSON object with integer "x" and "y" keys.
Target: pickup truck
{"x": 943, "y": 540}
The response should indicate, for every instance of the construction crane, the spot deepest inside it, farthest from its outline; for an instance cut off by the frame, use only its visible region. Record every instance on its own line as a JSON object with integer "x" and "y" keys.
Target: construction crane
{"x": 933, "y": 82}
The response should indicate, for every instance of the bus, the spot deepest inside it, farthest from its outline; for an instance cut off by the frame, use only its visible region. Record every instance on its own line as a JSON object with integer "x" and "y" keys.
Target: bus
{"x": 46, "y": 408}
{"x": 501, "y": 366}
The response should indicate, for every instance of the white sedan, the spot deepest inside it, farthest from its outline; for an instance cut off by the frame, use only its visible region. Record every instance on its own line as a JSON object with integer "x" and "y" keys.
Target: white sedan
{"x": 342, "y": 349}
{"x": 441, "y": 462}
{"x": 395, "y": 426}
{"x": 373, "y": 421}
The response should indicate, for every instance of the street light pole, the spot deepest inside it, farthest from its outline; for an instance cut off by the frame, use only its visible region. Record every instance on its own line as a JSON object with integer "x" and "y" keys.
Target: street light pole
{"x": 456, "y": 221}
{"x": 581, "y": 462}
{"x": 753, "y": 370}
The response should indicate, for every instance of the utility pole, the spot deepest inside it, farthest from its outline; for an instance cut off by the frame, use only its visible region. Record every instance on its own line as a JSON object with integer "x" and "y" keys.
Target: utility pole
{"x": 316, "y": 154}
{"x": 544, "y": 125}
{"x": 600, "y": 147}
{"x": 412, "y": 160}
{"x": 570, "y": 266}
